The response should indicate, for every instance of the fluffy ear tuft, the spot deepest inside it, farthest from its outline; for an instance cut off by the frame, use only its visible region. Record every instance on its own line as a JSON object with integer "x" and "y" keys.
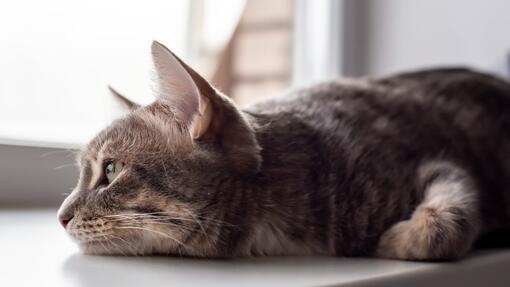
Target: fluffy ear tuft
{"x": 176, "y": 88}
{"x": 203, "y": 120}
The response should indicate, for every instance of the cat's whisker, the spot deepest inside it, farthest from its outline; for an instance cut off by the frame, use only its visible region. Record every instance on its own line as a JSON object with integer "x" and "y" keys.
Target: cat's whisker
{"x": 65, "y": 166}
{"x": 138, "y": 221}
{"x": 208, "y": 219}
{"x": 142, "y": 216}
{"x": 153, "y": 231}
{"x": 102, "y": 244}
{"x": 69, "y": 152}
{"x": 169, "y": 223}
{"x": 179, "y": 250}
{"x": 200, "y": 225}
{"x": 198, "y": 220}
{"x": 162, "y": 218}
{"x": 121, "y": 250}
{"x": 130, "y": 247}
{"x": 160, "y": 221}
{"x": 144, "y": 221}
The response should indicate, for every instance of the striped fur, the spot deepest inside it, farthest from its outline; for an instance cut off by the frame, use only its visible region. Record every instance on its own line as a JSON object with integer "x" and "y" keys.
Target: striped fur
{"x": 413, "y": 166}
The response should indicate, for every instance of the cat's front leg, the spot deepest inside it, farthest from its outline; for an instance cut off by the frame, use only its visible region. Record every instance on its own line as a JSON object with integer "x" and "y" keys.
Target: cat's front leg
{"x": 445, "y": 224}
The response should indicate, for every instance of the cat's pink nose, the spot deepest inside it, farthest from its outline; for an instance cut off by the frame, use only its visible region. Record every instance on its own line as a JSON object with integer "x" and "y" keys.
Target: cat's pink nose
{"x": 64, "y": 219}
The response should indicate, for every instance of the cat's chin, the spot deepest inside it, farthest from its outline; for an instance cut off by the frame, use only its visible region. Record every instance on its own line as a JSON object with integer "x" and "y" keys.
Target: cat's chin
{"x": 102, "y": 248}
{"x": 128, "y": 247}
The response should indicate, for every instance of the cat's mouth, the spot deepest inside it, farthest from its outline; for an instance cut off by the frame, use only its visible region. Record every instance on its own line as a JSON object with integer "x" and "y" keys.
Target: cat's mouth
{"x": 128, "y": 234}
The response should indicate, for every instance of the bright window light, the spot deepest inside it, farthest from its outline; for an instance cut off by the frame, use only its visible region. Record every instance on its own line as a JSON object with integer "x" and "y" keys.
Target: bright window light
{"x": 57, "y": 58}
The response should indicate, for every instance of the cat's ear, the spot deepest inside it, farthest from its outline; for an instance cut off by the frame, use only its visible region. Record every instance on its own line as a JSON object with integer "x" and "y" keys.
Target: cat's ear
{"x": 207, "y": 113}
{"x": 179, "y": 92}
{"x": 127, "y": 103}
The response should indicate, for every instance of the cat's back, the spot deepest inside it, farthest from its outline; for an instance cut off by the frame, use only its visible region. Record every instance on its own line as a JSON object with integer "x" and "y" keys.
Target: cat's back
{"x": 424, "y": 87}
{"x": 427, "y": 100}
{"x": 361, "y": 141}
{"x": 396, "y": 121}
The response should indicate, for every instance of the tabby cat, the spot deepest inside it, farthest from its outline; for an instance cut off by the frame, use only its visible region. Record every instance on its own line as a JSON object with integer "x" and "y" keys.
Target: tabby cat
{"x": 413, "y": 166}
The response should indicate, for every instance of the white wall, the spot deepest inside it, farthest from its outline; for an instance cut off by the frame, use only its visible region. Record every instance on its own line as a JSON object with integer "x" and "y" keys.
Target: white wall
{"x": 394, "y": 35}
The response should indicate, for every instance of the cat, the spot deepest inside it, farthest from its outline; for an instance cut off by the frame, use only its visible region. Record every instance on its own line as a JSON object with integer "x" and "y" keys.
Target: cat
{"x": 413, "y": 166}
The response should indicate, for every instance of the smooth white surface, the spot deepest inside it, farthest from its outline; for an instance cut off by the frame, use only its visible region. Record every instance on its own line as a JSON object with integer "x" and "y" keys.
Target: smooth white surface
{"x": 35, "y": 251}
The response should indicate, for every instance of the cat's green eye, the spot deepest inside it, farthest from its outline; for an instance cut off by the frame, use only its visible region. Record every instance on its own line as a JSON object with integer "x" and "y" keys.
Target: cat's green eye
{"x": 112, "y": 170}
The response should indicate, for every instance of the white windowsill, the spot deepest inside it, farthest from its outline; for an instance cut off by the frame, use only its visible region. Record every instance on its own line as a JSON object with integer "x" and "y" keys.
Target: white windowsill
{"x": 36, "y": 252}
{"x": 36, "y": 173}
{"x": 65, "y": 135}
{"x": 27, "y": 142}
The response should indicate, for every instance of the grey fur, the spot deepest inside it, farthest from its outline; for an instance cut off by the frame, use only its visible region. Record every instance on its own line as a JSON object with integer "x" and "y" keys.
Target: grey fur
{"x": 412, "y": 166}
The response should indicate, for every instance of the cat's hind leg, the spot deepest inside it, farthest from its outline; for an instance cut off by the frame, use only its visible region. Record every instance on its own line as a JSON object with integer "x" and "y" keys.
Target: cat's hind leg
{"x": 446, "y": 223}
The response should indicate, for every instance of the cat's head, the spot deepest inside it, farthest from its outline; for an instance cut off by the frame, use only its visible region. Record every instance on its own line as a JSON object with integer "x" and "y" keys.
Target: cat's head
{"x": 149, "y": 182}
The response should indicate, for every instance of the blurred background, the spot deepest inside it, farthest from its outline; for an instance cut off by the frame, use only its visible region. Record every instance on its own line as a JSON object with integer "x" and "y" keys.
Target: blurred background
{"x": 58, "y": 56}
